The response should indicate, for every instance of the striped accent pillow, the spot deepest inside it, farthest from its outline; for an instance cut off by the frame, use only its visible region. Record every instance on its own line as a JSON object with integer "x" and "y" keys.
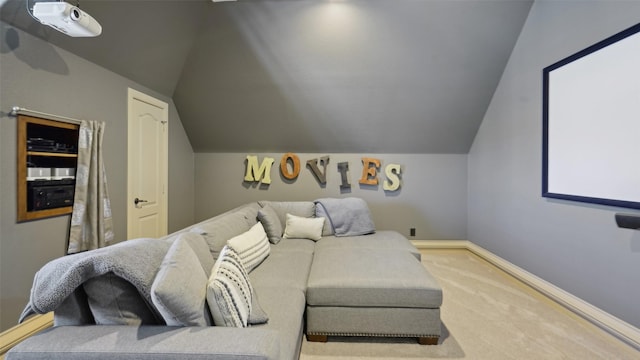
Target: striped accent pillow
{"x": 252, "y": 246}
{"x": 229, "y": 292}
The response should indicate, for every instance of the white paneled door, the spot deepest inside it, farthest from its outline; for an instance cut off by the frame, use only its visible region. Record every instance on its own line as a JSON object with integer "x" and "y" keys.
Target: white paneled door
{"x": 147, "y": 166}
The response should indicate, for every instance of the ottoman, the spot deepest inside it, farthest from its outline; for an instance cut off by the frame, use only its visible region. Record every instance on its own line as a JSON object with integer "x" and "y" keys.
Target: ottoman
{"x": 371, "y": 292}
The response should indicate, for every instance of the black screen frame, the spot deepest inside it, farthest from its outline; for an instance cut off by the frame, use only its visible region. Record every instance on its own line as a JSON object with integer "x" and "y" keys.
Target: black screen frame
{"x": 545, "y": 141}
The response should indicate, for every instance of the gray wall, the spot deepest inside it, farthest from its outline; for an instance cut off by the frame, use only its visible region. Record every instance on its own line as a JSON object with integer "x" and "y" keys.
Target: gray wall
{"x": 574, "y": 246}
{"x": 432, "y": 198}
{"x": 39, "y": 76}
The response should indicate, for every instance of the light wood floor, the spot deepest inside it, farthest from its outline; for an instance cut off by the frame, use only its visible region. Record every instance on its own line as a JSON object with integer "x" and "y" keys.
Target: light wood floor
{"x": 486, "y": 314}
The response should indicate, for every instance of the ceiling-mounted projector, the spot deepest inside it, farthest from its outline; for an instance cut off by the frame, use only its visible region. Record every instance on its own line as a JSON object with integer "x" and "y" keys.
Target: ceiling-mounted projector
{"x": 66, "y": 18}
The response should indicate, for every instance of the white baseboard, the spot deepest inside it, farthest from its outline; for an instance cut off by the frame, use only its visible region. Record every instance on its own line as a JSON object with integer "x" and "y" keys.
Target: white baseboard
{"x": 18, "y": 333}
{"x": 611, "y": 324}
{"x": 441, "y": 244}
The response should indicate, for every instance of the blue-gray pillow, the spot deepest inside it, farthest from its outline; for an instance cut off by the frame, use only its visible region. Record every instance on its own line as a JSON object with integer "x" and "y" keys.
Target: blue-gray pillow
{"x": 180, "y": 288}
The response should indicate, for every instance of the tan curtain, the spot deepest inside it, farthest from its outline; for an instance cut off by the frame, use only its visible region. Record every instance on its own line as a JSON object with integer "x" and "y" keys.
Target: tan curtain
{"x": 91, "y": 223}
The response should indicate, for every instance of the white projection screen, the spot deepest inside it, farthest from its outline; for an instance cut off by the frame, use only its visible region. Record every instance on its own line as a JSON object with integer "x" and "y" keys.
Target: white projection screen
{"x": 591, "y": 124}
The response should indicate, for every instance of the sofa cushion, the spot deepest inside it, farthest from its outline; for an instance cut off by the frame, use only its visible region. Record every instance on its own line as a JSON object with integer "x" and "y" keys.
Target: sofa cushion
{"x": 252, "y": 246}
{"x": 303, "y": 228}
{"x": 114, "y": 301}
{"x": 271, "y": 222}
{"x": 294, "y": 245}
{"x": 285, "y": 317}
{"x": 229, "y": 291}
{"x": 371, "y": 278}
{"x": 152, "y": 343}
{"x": 385, "y": 239}
{"x": 220, "y": 229}
{"x": 283, "y": 270}
{"x": 298, "y": 208}
{"x": 200, "y": 247}
{"x": 179, "y": 289}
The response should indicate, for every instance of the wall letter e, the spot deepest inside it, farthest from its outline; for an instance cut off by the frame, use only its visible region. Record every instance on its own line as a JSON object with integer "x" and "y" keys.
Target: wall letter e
{"x": 369, "y": 173}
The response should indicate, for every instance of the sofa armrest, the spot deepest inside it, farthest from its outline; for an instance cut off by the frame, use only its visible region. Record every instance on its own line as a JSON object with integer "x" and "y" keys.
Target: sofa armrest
{"x": 149, "y": 342}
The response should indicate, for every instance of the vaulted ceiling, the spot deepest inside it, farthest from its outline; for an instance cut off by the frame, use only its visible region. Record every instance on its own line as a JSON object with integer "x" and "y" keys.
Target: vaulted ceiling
{"x": 362, "y": 76}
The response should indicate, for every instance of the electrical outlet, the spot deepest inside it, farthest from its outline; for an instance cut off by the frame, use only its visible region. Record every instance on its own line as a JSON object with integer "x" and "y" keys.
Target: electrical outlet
{"x": 412, "y": 232}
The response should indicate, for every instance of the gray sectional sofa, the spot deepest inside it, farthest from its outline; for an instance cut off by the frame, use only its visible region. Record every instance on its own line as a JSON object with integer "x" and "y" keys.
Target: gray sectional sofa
{"x": 106, "y": 310}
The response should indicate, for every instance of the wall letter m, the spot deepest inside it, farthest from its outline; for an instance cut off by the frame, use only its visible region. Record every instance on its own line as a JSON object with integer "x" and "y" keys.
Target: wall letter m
{"x": 257, "y": 173}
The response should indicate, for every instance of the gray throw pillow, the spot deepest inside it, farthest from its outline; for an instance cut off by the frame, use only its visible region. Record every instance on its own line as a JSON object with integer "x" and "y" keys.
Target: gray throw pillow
{"x": 271, "y": 222}
{"x": 114, "y": 301}
{"x": 217, "y": 231}
{"x": 298, "y": 208}
{"x": 200, "y": 248}
{"x": 257, "y": 316}
{"x": 327, "y": 230}
{"x": 180, "y": 287}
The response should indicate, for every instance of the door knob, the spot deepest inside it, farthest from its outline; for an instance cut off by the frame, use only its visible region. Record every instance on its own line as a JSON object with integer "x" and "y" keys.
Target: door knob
{"x": 137, "y": 201}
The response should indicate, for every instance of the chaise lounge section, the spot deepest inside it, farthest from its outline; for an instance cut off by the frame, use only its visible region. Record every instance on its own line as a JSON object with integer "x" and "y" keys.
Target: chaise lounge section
{"x": 372, "y": 292}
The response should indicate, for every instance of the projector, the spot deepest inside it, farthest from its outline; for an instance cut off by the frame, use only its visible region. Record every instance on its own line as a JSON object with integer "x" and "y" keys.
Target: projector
{"x": 67, "y": 19}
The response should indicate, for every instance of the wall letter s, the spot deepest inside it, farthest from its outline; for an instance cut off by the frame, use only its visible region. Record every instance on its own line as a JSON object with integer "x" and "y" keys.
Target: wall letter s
{"x": 392, "y": 171}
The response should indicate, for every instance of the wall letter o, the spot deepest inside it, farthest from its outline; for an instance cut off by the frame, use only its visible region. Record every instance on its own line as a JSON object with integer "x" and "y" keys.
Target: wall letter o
{"x": 284, "y": 169}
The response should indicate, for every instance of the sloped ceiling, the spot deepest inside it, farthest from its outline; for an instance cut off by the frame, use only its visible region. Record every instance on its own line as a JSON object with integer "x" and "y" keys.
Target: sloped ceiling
{"x": 146, "y": 41}
{"x": 361, "y": 76}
